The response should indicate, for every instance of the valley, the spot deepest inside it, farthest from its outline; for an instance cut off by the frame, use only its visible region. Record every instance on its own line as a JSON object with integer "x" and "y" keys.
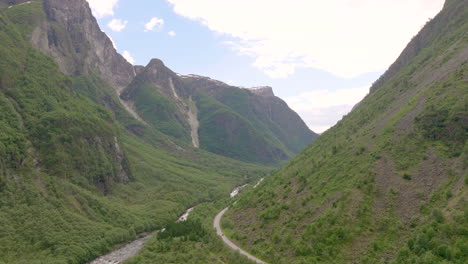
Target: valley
{"x": 106, "y": 162}
{"x": 387, "y": 184}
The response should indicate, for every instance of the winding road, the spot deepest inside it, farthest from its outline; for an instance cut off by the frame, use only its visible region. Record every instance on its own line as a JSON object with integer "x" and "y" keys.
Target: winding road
{"x": 228, "y": 242}
{"x": 131, "y": 249}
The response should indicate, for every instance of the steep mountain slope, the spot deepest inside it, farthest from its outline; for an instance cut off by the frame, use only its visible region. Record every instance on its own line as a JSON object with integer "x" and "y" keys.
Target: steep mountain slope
{"x": 78, "y": 173}
{"x": 226, "y": 120}
{"x": 389, "y": 182}
{"x": 159, "y": 100}
{"x": 253, "y": 117}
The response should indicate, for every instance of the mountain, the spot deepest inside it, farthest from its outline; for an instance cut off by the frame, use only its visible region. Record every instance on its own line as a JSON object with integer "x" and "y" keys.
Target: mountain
{"x": 244, "y": 124}
{"x": 388, "y": 183}
{"x": 226, "y": 120}
{"x": 80, "y": 171}
{"x": 247, "y": 123}
{"x": 255, "y": 130}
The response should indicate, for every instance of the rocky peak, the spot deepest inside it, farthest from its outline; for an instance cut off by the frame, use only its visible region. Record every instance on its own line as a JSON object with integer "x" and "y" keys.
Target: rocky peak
{"x": 265, "y": 91}
{"x": 73, "y": 38}
{"x": 156, "y": 63}
{"x": 157, "y": 74}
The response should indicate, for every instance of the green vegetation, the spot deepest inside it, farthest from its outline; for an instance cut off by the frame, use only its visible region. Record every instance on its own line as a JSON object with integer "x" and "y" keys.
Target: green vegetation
{"x": 233, "y": 122}
{"x": 236, "y": 124}
{"x": 407, "y": 176}
{"x": 227, "y": 133}
{"x": 194, "y": 241}
{"x": 387, "y": 183}
{"x": 161, "y": 112}
{"x": 74, "y": 183}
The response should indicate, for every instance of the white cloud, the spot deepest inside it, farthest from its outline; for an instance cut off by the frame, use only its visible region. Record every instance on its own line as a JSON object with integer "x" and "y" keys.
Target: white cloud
{"x": 344, "y": 37}
{"x": 321, "y": 109}
{"x": 171, "y": 33}
{"x": 117, "y": 25}
{"x": 102, "y": 8}
{"x": 126, "y": 54}
{"x": 154, "y": 24}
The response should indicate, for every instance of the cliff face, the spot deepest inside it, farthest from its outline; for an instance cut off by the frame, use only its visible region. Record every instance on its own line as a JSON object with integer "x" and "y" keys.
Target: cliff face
{"x": 265, "y": 91}
{"x": 246, "y": 124}
{"x": 157, "y": 74}
{"x": 161, "y": 99}
{"x": 65, "y": 161}
{"x": 73, "y": 38}
{"x": 53, "y": 130}
{"x": 155, "y": 98}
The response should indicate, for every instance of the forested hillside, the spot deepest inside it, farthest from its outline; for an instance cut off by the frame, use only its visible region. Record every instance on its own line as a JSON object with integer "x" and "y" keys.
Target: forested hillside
{"x": 78, "y": 173}
{"x": 388, "y": 183}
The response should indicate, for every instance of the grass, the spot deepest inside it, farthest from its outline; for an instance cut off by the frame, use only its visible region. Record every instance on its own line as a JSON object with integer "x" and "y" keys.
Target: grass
{"x": 74, "y": 183}
{"x": 194, "y": 241}
{"x": 345, "y": 199}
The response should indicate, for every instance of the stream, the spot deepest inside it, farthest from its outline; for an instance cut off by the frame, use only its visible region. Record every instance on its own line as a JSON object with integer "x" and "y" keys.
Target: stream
{"x": 131, "y": 249}
{"x": 236, "y": 190}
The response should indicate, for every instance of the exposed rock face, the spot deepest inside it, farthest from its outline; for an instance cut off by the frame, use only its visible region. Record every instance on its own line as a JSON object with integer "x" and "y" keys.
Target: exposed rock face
{"x": 123, "y": 170}
{"x": 158, "y": 97}
{"x": 247, "y": 124}
{"x": 73, "y": 38}
{"x": 71, "y": 35}
{"x": 435, "y": 27}
{"x": 265, "y": 91}
{"x": 157, "y": 74}
{"x": 138, "y": 69}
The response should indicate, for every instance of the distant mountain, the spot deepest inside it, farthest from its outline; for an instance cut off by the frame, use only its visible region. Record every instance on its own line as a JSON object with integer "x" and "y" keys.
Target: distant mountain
{"x": 249, "y": 125}
{"x": 388, "y": 183}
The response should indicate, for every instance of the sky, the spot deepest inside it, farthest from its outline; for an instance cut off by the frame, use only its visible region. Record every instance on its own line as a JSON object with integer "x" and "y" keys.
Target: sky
{"x": 321, "y": 57}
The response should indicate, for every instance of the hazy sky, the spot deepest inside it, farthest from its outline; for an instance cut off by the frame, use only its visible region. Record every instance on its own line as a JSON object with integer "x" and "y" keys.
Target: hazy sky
{"x": 319, "y": 56}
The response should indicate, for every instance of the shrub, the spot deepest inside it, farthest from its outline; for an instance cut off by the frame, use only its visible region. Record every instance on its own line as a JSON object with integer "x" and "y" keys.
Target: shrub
{"x": 407, "y": 176}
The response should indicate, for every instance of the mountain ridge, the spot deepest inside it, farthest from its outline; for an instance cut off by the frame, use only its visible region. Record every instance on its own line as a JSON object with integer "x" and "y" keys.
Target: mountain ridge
{"x": 387, "y": 184}
{"x": 70, "y": 34}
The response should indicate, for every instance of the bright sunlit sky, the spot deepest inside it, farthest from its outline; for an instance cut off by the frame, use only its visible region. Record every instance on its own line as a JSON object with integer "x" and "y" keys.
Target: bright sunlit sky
{"x": 319, "y": 56}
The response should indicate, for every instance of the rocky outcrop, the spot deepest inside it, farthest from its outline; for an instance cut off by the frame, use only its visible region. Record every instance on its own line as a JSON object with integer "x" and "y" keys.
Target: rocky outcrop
{"x": 265, "y": 91}
{"x": 157, "y": 74}
{"x": 138, "y": 69}
{"x": 161, "y": 98}
{"x": 435, "y": 27}
{"x": 178, "y": 106}
{"x": 165, "y": 100}
{"x": 73, "y": 38}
